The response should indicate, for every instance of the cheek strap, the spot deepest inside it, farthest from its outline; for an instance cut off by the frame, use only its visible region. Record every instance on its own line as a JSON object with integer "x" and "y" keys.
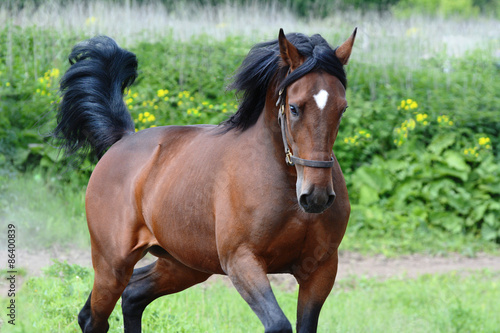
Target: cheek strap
{"x": 289, "y": 158}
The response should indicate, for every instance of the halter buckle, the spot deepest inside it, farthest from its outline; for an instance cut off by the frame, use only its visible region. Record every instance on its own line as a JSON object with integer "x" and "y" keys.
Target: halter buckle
{"x": 288, "y": 158}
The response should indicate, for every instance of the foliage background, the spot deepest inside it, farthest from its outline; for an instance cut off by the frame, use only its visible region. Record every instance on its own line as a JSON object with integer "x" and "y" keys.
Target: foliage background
{"x": 419, "y": 145}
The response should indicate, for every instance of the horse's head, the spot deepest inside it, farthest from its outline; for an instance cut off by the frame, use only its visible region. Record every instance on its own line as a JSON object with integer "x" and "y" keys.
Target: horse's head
{"x": 312, "y": 107}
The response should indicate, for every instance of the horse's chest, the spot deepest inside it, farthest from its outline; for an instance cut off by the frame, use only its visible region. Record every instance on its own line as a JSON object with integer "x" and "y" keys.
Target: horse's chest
{"x": 283, "y": 247}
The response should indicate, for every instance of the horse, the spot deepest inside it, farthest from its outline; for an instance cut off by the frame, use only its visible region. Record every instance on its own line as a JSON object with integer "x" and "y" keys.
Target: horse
{"x": 260, "y": 193}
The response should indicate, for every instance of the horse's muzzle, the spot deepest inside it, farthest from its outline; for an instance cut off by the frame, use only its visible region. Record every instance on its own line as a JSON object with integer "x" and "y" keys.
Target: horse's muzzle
{"x": 316, "y": 201}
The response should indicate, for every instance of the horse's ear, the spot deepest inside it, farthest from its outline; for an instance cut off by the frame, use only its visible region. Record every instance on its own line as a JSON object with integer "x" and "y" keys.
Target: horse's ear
{"x": 343, "y": 52}
{"x": 289, "y": 53}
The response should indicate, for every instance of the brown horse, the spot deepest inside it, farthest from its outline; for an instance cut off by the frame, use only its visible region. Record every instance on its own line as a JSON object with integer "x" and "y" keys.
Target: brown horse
{"x": 260, "y": 193}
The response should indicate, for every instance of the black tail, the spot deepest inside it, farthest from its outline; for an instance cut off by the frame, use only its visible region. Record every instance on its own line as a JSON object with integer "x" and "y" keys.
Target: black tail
{"x": 92, "y": 115}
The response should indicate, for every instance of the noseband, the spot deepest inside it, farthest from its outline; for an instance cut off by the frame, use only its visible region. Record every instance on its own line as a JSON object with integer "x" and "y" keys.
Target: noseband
{"x": 289, "y": 158}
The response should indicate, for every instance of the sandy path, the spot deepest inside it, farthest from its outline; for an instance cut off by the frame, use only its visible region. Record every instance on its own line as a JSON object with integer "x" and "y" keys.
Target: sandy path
{"x": 350, "y": 263}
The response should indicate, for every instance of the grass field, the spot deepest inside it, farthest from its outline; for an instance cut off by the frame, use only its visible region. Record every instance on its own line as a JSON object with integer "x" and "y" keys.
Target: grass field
{"x": 431, "y": 303}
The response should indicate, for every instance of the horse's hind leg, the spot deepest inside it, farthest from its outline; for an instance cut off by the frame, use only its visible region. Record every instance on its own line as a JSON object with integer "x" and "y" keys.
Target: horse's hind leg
{"x": 165, "y": 276}
{"x": 111, "y": 278}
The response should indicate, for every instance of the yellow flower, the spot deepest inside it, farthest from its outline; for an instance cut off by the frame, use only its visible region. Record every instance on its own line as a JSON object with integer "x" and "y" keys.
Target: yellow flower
{"x": 484, "y": 140}
{"x": 151, "y": 118}
{"x": 91, "y": 20}
{"x": 179, "y": 103}
{"x": 161, "y": 93}
{"x": 141, "y": 116}
{"x": 135, "y": 95}
{"x": 54, "y": 72}
{"x": 413, "y": 105}
{"x": 129, "y": 101}
{"x": 146, "y": 114}
{"x": 155, "y": 107}
{"x": 411, "y": 124}
{"x": 166, "y": 99}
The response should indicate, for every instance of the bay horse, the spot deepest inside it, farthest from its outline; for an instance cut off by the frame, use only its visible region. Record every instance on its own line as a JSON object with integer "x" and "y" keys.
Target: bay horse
{"x": 260, "y": 193}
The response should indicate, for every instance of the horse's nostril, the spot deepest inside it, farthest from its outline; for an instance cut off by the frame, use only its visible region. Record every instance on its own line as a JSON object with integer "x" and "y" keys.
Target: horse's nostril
{"x": 314, "y": 203}
{"x": 331, "y": 199}
{"x": 303, "y": 201}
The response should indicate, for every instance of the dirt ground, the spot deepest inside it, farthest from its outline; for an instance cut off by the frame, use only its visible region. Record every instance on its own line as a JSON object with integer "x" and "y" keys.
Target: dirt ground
{"x": 378, "y": 266}
{"x": 350, "y": 264}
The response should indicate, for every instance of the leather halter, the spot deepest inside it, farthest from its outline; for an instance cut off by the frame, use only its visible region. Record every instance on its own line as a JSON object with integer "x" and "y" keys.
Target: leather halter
{"x": 289, "y": 158}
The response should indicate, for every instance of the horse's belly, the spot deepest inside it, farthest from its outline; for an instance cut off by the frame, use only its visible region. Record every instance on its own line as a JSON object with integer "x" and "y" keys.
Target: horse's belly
{"x": 180, "y": 214}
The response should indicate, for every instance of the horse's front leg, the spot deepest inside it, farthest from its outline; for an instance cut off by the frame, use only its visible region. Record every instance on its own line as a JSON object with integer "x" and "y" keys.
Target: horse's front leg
{"x": 248, "y": 275}
{"x": 316, "y": 279}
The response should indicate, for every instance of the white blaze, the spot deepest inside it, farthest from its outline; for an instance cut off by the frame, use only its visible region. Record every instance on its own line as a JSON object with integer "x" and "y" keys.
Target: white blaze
{"x": 321, "y": 97}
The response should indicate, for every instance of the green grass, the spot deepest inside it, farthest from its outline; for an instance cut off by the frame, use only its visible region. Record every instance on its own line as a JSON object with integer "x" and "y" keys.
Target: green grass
{"x": 45, "y": 211}
{"x": 431, "y": 303}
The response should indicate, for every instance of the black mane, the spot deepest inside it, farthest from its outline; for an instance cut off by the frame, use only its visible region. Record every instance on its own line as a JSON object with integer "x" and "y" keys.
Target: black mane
{"x": 263, "y": 66}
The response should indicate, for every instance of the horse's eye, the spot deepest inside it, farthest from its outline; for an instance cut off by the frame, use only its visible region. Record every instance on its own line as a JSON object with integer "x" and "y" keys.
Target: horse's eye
{"x": 343, "y": 111}
{"x": 294, "y": 110}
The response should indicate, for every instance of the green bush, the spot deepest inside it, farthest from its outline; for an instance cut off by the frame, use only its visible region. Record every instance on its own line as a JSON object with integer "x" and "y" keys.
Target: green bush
{"x": 419, "y": 146}
{"x": 444, "y": 8}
